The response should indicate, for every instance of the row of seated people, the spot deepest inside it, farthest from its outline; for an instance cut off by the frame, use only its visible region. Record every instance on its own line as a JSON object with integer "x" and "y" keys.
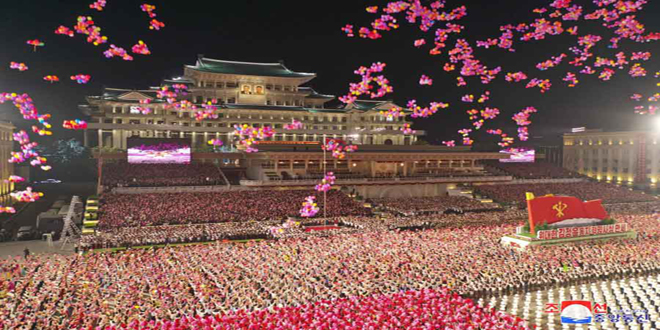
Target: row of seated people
{"x": 309, "y": 283}
{"x": 175, "y": 234}
{"x": 425, "y": 204}
{"x": 189, "y": 233}
{"x": 515, "y": 193}
{"x": 536, "y": 170}
{"x": 123, "y": 174}
{"x": 130, "y": 210}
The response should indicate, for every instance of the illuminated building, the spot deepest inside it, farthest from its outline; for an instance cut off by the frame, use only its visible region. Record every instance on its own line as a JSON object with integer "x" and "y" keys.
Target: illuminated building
{"x": 387, "y": 163}
{"x": 6, "y": 168}
{"x": 257, "y": 94}
{"x": 614, "y": 156}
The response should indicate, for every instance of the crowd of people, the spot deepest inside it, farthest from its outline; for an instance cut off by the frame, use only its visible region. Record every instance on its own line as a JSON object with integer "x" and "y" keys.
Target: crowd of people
{"x": 189, "y": 233}
{"x": 134, "y": 210}
{"x": 414, "y": 205}
{"x": 423, "y": 309}
{"x": 175, "y": 234}
{"x": 515, "y": 193}
{"x": 536, "y": 170}
{"x": 166, "y": 284}
{"x": 438, "y": 221}
{"x": 123, "y": 174}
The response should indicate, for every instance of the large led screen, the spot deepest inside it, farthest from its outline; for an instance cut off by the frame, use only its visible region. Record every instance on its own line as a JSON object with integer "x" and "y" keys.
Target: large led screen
{"x": 518, "y": 155}
{"x": 158, "y": 151}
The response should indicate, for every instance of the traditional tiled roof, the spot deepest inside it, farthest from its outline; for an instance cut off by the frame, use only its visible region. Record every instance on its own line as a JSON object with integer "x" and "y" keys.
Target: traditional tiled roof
{"x": 368, "y": 105}
{"x": 247, "y": 68}
{"x": 116, "y": 94}
{"x": 178, "y": 80}
{"x": 313, "y": 94}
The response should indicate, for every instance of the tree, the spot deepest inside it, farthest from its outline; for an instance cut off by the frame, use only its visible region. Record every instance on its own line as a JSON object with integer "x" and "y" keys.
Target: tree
{"x": 68, "y": 151}
{"x": 70, "y": 161}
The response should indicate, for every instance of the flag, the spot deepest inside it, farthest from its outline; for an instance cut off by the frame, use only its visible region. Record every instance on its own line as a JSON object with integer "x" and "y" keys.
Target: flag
{"x": 552, "y": 209}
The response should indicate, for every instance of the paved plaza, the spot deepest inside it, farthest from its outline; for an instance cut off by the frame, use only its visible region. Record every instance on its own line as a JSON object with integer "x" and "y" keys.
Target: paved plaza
{"x": 632, "y": 294}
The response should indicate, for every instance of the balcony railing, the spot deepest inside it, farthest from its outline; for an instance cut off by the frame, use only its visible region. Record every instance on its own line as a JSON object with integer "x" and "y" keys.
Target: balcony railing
{"x": 359, "y": 181}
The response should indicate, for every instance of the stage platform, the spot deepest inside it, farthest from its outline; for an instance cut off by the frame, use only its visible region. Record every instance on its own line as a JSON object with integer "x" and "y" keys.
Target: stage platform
{"x": 521, "y": 242}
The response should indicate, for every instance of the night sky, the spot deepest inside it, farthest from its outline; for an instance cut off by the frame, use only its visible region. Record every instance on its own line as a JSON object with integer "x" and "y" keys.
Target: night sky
{"x": 307, "y": 36}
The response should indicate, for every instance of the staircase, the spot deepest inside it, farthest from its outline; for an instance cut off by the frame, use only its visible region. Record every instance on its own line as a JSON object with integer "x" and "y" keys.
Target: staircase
{"x": 224, "y": 177}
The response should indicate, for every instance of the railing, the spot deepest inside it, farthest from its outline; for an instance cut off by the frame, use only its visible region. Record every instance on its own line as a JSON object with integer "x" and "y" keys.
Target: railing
{"x": 156, "y": 190}
{"x": 533, "y": 181}
{"x": 358, "y": 181}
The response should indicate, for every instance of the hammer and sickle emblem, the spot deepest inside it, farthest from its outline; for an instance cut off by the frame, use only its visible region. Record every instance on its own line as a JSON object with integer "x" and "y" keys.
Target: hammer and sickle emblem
{"x": 560, "y": 207}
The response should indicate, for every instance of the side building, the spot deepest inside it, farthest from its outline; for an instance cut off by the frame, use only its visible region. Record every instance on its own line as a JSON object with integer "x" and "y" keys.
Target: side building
{"x": 6, "y": 168}
{"x": 257, "y": 94}
{"x": 618, "y": 157}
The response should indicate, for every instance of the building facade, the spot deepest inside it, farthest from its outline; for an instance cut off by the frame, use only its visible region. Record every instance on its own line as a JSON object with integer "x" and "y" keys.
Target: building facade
{"x": 6, "y": 168}
{"x": 627, "y": 157}
{"x": 257, "y": 94}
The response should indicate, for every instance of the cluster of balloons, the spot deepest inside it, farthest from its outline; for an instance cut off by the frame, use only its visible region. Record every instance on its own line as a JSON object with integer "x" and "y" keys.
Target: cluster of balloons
{"x": 75, "y": 124}
{"x": 248, "y": 135}
{"x": 98, "y": 5}
{"x": 407, "y": 130}
{"x": 309, "y": 207}
{"x": 26, "y": 107}
{"x": 155, "y": 24}
{"x": 215, "y": 142}
{"x": 149, "y": 9}
{"x": 141, "y": 48}
{"x": 85, "y": 26}
{"x": 338, "y": 147}
{"x": 27, "y": 195}
{"x": 65, "y": 31}
{"x": 7, "y": 209}
{"x": 393, "y": 112}
{"x": 522, "y": 120}
{"x": 294, "y": 125}
{"x": 289, "y": 224}
{"x": 15, "y": 179}
{"x": 418, "y": 111}
{"x": 560, "y": 17}
{"x": 35, "y": 43}
{"x": 18, "y": 66}
{"x": 81, "y": 78}
{"x": 51, "y": 78}
{"x": 365, "y": 86}
{"x": 326, "y": 183}
{"x": 115, "y": 51}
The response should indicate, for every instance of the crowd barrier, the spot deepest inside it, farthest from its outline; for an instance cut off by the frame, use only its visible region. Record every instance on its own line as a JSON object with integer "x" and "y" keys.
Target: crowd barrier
{"x": 156, "y": 190}
{"x": 533, "y": 181}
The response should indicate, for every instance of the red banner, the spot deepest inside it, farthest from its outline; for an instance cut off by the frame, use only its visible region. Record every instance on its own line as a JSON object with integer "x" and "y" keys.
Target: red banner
{"x": 553, "y": 209}
{"x": 582, "y": 231}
